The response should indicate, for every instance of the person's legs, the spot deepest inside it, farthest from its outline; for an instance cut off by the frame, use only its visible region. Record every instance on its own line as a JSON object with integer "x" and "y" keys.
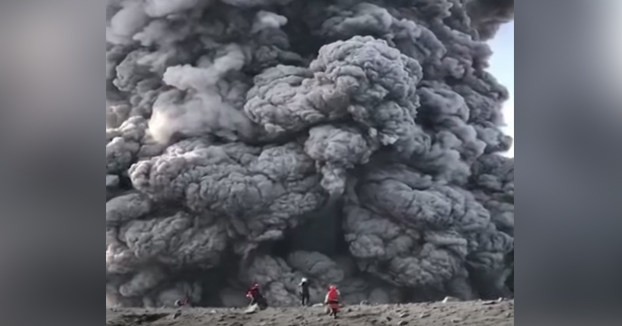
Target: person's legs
{"x": 333, "y": 309}
{"x": 262, "y": 302}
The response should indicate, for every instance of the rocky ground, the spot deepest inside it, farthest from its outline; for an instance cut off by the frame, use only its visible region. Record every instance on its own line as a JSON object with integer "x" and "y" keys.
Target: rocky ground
{"x": 480, "y": 313}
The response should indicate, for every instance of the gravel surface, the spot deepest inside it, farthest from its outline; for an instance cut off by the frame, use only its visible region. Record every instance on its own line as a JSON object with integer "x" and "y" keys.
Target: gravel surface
{"x": 480, "y": 313}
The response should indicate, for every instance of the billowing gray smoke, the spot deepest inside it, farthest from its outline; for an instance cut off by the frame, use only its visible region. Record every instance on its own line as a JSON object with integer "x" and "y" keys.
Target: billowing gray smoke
{"x": 351, "y": 142}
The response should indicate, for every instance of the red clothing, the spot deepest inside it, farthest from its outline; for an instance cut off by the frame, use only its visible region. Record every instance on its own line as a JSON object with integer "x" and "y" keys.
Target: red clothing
{"x": 332, "y": 299}
{"x": 253, "y": 292}
{"x": 183, "y": 302}
{"x": 332, "y": 296}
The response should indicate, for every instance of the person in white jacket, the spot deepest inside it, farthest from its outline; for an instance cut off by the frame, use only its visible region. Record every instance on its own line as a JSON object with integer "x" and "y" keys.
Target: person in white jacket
{"x": 304, "y": 291}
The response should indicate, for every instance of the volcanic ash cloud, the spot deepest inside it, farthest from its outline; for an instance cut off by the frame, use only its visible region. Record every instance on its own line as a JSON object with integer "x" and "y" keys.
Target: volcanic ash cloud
{"x": 351, "y": 142}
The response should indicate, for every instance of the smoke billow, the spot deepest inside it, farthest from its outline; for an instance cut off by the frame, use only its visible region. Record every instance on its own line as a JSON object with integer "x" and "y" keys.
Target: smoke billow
{"x": 352, "y": 142}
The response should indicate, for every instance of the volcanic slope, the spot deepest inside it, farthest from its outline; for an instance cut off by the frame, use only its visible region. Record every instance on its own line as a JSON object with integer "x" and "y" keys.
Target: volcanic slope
{"x": 480, "y": 313}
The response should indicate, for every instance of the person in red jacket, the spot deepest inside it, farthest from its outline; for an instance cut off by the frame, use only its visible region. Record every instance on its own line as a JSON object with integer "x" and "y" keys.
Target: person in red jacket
{"x": 332, "y": 300}
{"x": 183, "y": 302}
{"x": 256, "y": 297}
{"x": 253, "y": 293}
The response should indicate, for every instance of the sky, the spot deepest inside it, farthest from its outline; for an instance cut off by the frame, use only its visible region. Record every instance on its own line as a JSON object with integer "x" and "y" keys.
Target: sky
{"x": 502, "y": 67}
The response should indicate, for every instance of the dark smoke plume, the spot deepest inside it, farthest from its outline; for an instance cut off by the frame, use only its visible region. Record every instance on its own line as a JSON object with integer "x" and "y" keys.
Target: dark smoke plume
{"x": 352, "y": 142}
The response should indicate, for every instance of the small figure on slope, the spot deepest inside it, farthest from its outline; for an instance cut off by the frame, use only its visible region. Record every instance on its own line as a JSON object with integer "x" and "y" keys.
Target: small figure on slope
{"x": 332, "y": 300}
{"x": 256, "y": 297}
{"x": 304, "y": 291}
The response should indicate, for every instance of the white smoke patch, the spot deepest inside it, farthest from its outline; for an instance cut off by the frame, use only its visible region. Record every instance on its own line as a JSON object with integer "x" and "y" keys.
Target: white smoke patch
{"x": 265, "y": 19}
{"x": 126, "y": 22}
{"x": 162, "y": 8}
{"x": 201, "y": 109}
{"x": 255, "y": 3}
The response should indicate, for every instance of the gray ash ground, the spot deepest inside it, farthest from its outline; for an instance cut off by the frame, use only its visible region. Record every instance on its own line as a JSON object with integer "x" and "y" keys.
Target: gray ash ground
{"x": 480, "y": 313}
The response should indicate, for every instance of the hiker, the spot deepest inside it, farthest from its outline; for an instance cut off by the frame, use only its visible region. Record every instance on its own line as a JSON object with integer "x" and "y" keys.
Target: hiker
{"x": 332, "y": 300}
{"x": 183, "y": 302}
{"x": 256, "y": 298}
{"x": 304, "y": 291}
